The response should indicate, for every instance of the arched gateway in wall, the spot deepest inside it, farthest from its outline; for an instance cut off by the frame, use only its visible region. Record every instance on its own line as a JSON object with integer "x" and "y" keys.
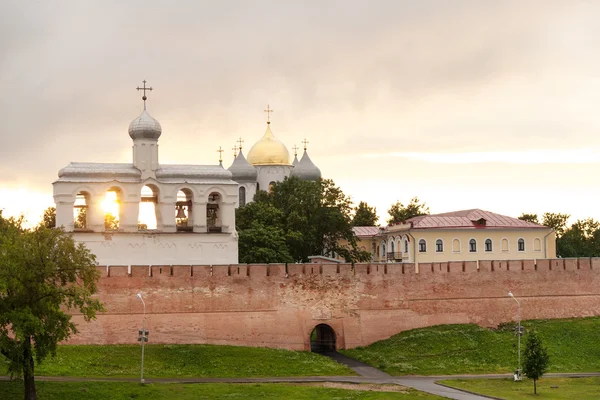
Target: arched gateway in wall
{"x": 322, "y": 339}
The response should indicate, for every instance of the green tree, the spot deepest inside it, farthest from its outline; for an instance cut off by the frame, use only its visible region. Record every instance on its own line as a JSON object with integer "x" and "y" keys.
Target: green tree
{"x": 556, "y": 221}
{"x": 43, "y": 275}
{"x": 529, "y": 218}
{"x": 81, "y": 219}
{"x": 313, "y": 218}
{"x": 582, "y": 239}
{"x": 536, "y": 359}
{"x": 364, "y": 215}
{"x": 111, "y": 223}
{"x": 49, "y": 217}
{"x": 399, "y": 212}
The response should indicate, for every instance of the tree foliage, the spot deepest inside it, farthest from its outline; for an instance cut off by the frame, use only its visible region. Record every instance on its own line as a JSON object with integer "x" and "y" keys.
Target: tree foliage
{"x": 556, "y": 221}
{"x": 43, "y": 274}
{"x": 536, "y": 359}
{"x": 295, "y": 220}
{"x": 364, "y": 215}
{"x": 49, "y": 217}
{"x": 582, "y": 239}
{"x": 529, "y": 218}
{"x": 399, "y": 212}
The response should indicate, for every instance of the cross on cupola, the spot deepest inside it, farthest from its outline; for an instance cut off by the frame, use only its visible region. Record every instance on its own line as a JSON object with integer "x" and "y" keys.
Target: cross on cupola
{"x": 295, "y": 150}
{"x": 235, "y": 150}
{"x": 144, "y": 88}
{"x": 268, "y": 111}
{"x": 220, "y": 151}
{"x": 240, "y": 141}
{"x": 305, "y": 142}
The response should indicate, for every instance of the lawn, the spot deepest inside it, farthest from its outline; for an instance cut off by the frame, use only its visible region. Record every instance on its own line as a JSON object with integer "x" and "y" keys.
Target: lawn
{"x": 186, "y": 361}
{"x": 120, "y": 390}
{"x": 458, "y": 349}
{"x": 547, "y": 388}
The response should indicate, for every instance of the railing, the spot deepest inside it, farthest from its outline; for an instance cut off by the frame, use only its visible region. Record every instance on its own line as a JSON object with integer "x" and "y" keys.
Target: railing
{"x": 397, "y": 256}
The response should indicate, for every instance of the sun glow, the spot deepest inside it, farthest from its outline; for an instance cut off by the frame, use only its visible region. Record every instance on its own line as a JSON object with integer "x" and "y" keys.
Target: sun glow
{"x": 110, "y": 204}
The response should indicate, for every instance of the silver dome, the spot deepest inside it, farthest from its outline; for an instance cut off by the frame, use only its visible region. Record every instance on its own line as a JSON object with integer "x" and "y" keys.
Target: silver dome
{"x": 306, "y": 170}
{"x": 242, "y": 170}
{"x": 145, "y": 127}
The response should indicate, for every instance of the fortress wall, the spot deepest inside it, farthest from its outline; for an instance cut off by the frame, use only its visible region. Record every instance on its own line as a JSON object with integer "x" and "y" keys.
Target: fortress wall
{"x": 278, "y": 305}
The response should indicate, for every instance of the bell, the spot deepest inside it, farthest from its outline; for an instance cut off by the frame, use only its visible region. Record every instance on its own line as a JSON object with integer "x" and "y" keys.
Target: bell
{"x": 180, "y": 212}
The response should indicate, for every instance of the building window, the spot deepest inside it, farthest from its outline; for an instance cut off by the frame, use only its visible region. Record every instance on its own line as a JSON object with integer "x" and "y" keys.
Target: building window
{"x": 521, "y": 244}
{"x": 422, "y": 246}
{"x": 439, "y": 246}
{"x": 456, "y": 246}
{"x": 472, "y": 245}
{"x": 242, "y": 196}
{"x": 504, "y": 245}
{"x": 406, "y": 246}
{"x": 537, "y": 244}
{"x": 488, "y": 244}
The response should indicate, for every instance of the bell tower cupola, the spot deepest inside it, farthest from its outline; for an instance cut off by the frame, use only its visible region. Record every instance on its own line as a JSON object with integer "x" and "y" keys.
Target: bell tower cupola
{"x": 145, "y": 131}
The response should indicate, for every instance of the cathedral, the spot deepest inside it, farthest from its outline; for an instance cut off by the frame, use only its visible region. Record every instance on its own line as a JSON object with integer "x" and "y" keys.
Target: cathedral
{"x": 191, "y": 207}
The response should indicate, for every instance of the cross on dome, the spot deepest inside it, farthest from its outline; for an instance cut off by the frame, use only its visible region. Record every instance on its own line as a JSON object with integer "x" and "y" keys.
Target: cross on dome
{"x": 305, "y": 143}
{"x": 144, "y": 88}
{"x": 220, "y": 151}
{"x": 235, "y": 150}
{"x": 295, "y": 150}
{"x": 240, "y": 141}
{"x": 269, "y": 111}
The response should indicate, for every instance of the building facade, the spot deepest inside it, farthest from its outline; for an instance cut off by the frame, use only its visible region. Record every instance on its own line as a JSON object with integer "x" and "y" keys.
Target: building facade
{"x": 468, "y": 235}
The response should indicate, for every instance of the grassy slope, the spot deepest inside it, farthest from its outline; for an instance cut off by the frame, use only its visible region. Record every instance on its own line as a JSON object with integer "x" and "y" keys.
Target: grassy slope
{"x": 118, "y": 391}
{"x": 547, "y": 388}
{"x": 186, "y": 361}
{"x": 573, "y": 345}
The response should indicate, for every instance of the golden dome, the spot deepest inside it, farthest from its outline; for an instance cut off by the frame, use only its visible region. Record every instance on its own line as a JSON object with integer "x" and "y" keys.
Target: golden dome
{"x": 269, "y": 150}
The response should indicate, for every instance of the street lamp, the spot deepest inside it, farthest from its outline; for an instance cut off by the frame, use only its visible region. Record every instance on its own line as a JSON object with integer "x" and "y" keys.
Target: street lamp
{"x": 142, "y": 336}
{"x": 519, "y": 332}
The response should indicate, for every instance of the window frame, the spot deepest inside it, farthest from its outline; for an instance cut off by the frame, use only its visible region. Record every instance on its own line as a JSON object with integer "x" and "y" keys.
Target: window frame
{"x": 439, "y": 245}
{"x": 519, "y": 242}
{"x": 472, "y": 249}
{"x": 485, "y": 245}
{"x": 422, "y": 246}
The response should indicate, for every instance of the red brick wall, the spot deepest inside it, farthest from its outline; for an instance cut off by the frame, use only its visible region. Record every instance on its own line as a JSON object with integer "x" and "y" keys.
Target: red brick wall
{"x": 278, "y": 306}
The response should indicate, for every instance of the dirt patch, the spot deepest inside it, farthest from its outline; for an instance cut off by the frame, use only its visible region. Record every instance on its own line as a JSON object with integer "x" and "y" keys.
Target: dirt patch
{"x": 369, "y": 387}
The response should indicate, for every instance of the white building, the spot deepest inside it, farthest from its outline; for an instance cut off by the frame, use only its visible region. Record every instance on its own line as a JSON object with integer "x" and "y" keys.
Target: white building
{"x": 192, "y": 207}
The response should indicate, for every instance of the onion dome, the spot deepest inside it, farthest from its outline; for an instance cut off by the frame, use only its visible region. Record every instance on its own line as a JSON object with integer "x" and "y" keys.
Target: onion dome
{"x": 269, "y": 151}
{"x": 242, "y": 170}
{"x": 305, "y": 169}
{"x": 145, "y": 127}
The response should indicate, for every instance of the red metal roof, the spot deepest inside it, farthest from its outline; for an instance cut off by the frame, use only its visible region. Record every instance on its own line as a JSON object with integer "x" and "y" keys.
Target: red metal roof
{"x": 366, "y": 230}
{"x": 468, "y": 219}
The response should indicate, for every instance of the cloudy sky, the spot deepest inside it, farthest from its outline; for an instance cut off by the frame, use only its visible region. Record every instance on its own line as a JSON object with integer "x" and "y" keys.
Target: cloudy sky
{"x": 463, "y": 103}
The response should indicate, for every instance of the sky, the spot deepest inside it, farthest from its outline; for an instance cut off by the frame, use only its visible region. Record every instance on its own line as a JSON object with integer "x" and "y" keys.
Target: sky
{"x": 465, "y": 104}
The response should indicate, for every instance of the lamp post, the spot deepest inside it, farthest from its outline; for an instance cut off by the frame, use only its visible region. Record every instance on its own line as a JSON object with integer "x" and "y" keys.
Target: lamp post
{"x": 518, "y": 333}
{"x": 142, "y": 336}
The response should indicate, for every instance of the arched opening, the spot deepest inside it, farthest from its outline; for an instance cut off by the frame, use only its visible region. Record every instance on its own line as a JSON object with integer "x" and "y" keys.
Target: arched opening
{"x": 242, "y": 195}
{"x": 322, "y": 339}
{"x": 112, "y": 208}
{"x": 183, "y": 211}
{"x": 213, "y": 213}
{"x": 80, "y": 214}
{"x": 148, "y": 218}
{"x": 271, "y": 186}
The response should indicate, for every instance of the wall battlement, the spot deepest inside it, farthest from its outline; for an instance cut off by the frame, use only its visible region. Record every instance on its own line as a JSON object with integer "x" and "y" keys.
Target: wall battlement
{"x": 278, "y": 305}
{"x": 286, "y": 270}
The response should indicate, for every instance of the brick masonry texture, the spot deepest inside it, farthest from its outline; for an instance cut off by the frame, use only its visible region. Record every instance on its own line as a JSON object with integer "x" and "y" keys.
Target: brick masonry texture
{"x": 278, "y": 306}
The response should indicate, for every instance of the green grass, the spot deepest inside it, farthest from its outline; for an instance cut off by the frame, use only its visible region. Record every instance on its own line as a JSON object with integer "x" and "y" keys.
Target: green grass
{"x": 186, "y": 361}
{"x": 458, "y": 349}
{"x": 120, "y": 390}
{"x": 547, "y": 388}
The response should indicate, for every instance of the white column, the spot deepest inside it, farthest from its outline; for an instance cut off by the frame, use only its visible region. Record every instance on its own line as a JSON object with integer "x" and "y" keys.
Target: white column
{"x": 64, "y": 214}
{"x": 199, "y": 217}
{"x": 95, "y": 213}
{"x": 228, "y": 216}
{"x": 128, "y": 218}
{"x": 167, "y": 213}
